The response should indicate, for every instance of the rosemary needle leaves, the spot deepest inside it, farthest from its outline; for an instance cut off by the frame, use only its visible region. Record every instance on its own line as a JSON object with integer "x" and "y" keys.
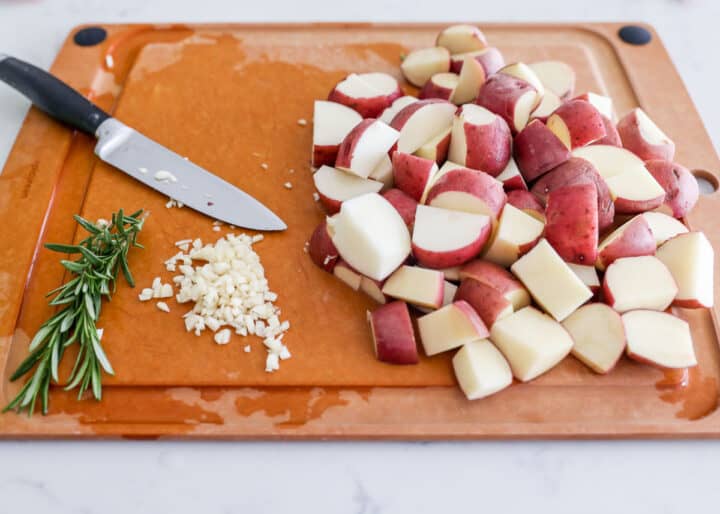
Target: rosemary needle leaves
{"x": 101, "y": 257}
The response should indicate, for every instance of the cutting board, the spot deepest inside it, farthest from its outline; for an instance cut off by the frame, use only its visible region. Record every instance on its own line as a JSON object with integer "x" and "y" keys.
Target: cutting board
{"x": 229, "y": 97}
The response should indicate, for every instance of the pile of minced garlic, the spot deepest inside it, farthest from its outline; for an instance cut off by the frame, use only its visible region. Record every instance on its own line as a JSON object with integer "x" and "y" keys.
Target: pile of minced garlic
{"x": 229, "y": 292}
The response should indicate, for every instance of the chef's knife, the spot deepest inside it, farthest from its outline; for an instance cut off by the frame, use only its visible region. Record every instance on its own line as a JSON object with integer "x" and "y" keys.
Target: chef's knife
{"x": 138, "y": 156}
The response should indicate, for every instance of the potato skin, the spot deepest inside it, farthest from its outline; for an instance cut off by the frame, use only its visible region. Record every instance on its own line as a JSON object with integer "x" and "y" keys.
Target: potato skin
{"x": 572, "y": 222}
{"x": 370, "y": 107}
{"x": 456, "y": 257}
{"x": 636, "y": 240}
{"x": 402, "y": 117}
{"x": 488, "y": 146}
{"x": 500, "y": 94}
{"x": 584, "y": 122}
{"x": 681, "y": 188}
{"x": 498, "y": 278}
{"x": 330, "y": 205}
{"x": 488, "y": 302}
{"x": 439, "y": 152}
{"x": 526, "y": 201}
{"x": 538, "y": 150}
{"x": 393, "y": 334}
{"x": 324, "y": 155}
{"x": 625, "y": 206}
{"x": 321, "y": 248}
{"x": 629, "y": 131}
{"x": 612, "y": 138}
{"x": 432, "y": 89}
{"x": 411, "y": 173}
{"x": 491, "y": 60}
{"x": 347, "y": 147}
{"x": 578, "y": 171}
{"x": 404, "y": 204}
{"x": 406, "y": 113}
{"x": 473, "y": 182}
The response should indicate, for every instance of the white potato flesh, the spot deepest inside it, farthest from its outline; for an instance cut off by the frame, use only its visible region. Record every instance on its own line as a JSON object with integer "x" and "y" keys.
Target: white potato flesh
{"x": 551, "y": 282}
{"x": 481, "y": 370}
{"x": 332, "y": 122}
{"x": 370, "y": 235}
{"x": 531, "y": 341}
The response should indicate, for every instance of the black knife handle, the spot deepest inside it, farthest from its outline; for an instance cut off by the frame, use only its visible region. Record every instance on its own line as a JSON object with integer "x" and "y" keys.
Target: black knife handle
{"x": 51, "y": 95}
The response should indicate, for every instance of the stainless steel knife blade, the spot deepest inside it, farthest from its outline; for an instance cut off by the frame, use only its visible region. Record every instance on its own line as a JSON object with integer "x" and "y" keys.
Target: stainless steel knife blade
{"x": 174, "y": 176}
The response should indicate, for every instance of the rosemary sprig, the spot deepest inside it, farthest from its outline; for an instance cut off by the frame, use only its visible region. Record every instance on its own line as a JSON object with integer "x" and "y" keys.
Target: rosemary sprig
{"x": 101, "y": 257}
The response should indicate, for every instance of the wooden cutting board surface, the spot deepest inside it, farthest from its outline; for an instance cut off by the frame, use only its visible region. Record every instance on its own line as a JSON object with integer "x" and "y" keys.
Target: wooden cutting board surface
{"x": 229, "y": 97}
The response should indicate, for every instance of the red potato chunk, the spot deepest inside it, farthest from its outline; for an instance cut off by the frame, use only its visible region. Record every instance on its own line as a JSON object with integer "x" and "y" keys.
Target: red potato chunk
{"x": 468, "y": 190}
{"x": 393, "y": 334}
{"x": 578, "y": 171}
{"x": 321, "y": 248}
{"x": 572, "y": 222}
{"x": 498, "y": 278}
{"x": 528, "y": 202}
{"x": 538, "y": 150}
{"x": 577, "y": 123}
{"x": 403, "y": 203}
{"x": 412, "y": 174}
{"x": 419, "y": 65}
{"x": 681, "y": 188}
{"x": 443, "y": 238}
{"x": 440, "y": 85}
{"x": 461, "y": 38}
{"x": 612, "y": 138}
{"x": 488, "y": 302}
{"x": 509, "y": 97}
{"x": 368, "y": 93}
{"x": 642, "y": 137}
{"x": 633, "y": 283}
{"x": 632, "y": 239}
{"x": 481, "y": 140}
{"x": 489, "y": 58}
{"x": 436, "y": 149}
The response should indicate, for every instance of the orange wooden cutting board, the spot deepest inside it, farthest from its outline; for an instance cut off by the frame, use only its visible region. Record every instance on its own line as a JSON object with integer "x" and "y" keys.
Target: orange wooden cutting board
{"x": 229, "y": 97}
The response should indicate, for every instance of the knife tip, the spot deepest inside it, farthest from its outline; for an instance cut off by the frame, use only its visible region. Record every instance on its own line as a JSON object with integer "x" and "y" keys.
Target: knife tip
{"x": 278, "y": 227}
{"x": 272, "y": 224}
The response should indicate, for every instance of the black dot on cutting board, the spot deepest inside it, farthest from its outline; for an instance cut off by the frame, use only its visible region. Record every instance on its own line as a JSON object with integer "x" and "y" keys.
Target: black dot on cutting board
{"x": 90, "y": 36}
{"x": 635, "y": 35}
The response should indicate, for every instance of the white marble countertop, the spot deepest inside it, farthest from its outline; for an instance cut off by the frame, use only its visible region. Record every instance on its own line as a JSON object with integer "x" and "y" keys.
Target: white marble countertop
{"x": 358, "y": 477}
